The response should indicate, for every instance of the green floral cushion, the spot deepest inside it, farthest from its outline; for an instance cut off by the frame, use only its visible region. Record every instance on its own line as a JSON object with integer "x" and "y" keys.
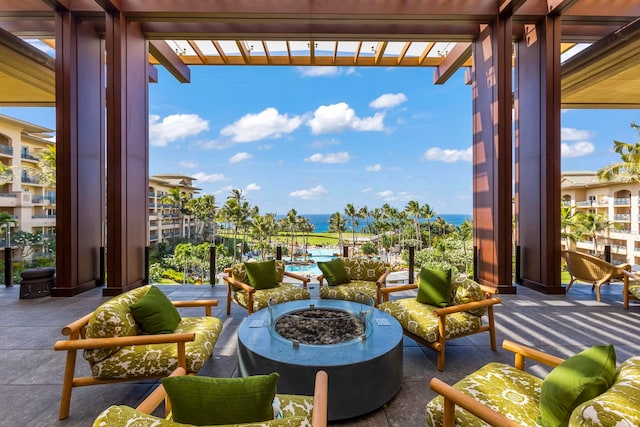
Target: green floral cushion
{"x": 364, "y": 268}
{"x": 284, "y": 292}
{"x": 350, "y": 291}
{"x": 465, "y": 290}
{"x": 618, "y": 406}
{"x": 239, "y": 272}
{"x": 113, "y": 319}
{"x": 419, "y": 319}
{"x": 296, "y": 410}
{"x": 505, "y": 389}
{"x": 635, "y": 290}
{"x": 162, "y": 359}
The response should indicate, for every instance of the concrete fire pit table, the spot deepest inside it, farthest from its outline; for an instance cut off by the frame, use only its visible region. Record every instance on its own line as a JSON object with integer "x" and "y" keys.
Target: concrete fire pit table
{"x": 364, "y": 373}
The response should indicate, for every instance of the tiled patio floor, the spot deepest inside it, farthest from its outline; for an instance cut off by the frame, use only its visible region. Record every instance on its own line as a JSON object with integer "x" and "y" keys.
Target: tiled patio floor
{"x": 31, "y": 372}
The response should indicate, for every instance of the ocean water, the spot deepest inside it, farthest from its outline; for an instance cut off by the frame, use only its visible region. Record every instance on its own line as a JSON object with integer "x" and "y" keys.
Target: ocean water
{"x": 321, "y": 221}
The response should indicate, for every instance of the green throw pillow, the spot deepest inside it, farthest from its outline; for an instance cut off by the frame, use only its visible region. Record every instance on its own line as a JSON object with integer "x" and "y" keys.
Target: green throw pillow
{"x": 155, "y": 313}
{"x": 576, "y": 380}
{"x": 434, "y": 287}
{"x": 201, "y": 400}
{"x": 262, "y": 275}
{"x": 334, "y": 272}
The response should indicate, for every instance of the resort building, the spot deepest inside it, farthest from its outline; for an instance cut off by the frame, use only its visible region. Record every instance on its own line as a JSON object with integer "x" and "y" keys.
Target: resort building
{"x": 619, "y": 205}
{"x": 24, "y": 195}
{"x": 31, "y": 202}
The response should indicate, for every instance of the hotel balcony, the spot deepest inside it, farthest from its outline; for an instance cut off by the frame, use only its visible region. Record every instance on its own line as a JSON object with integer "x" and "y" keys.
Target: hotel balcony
{"x": 622, "y": 217}
{"x": 27, "y": 155}
{"x": 625, "y": 201}
{"x": 6, "y": 150}
{"x": 43, "y": 220}
{"x": 8, "y": 200}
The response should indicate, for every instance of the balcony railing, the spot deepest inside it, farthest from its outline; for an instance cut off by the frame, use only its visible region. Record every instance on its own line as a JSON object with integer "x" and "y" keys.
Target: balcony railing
{"x": 45, "y": 216}
{"x": 584, "y": 203}
{"x": 29, "y": 156}
{"x": 6, "y": 149}
{"x": 622, "y": 201}
{"x": 30, "y": 180}
{"x": 8, "y": 195}
{"x": 622, "y": 217}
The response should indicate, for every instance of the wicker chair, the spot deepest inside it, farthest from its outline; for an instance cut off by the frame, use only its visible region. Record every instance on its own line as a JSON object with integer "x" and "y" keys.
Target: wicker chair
{"x": 591, "y": 269}
{"x": 631, "y": 290}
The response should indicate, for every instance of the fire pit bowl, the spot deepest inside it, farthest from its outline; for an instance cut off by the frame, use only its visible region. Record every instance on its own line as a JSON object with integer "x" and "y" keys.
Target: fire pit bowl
{"x": 365, "y": 371}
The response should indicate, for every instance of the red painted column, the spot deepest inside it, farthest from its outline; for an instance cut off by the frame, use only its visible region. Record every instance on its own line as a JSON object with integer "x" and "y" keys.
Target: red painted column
{"x": 492, "y": 155}
{"x": 127, "y": 153}
{"x": 537, "y": 139}
{"x": 80, "y": 204}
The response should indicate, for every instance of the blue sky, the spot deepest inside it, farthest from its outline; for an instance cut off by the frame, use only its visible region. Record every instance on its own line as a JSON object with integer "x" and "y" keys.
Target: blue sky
{"x": 315, "y": 139}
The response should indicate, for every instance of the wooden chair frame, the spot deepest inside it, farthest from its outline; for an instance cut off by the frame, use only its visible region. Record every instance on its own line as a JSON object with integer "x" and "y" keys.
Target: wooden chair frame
{"x": 320, "y": 399}
{"x": 441, "y": 313}
{"x": 453, "y": 397}
{"x": 591, "y": 269}
{"x": 626, "y": 295}
{"x": 231, "y": 282}
{"x": 77, "y": 330}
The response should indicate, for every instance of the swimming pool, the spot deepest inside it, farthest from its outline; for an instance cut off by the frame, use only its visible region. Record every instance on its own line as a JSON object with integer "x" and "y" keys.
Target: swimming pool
{"x": 317, "y": 255}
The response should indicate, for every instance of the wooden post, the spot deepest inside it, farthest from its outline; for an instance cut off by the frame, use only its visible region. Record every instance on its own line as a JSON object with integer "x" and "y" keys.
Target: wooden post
{"x": 278, "y": 252}
{"x": 8, "y": 273}
{"x": 145, "y": 279}
{"x": 101, "y": 276}
{"x": 212, "y": 265}
{"x": 345, "y": 251}
{"x": 412, "y": 256}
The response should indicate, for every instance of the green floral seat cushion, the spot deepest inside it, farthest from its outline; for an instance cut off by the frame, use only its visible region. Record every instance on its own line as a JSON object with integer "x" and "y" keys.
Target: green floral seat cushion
{"x": 296, "y": 411}
{"x": 505, "y": 389}
{"x": 364, "y": 268}
{"x": 283, "y": 293}
{"x": 113, "y": 319}
{"x": 239, "y": 272}
{"x": 419, "y": 319}
{"x": 465, "y": 290}
{"x": 162, "y": 359}
{"x": 349, "y": 291}
{"x": 635, "y": 290}
{"x": 618, "y": 406}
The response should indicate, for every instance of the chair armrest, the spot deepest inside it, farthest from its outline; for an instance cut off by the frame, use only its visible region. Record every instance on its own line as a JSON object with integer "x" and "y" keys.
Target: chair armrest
{"x": 231, "y": 281}
{"x": 157, "y": 396}
{"x": 320, "y": 400}
{"x": 320, "y": 280}
{"x": 300, "y": 277}
{"x": 91, "y": 343}
{"x": 523, "y": 352}
{"x": 206, "y": 303}
{"x": 489, "y": 290}
{"x": 75, "y": 327}
{"x": 453, "y": 397}
{"x": 391, "y": 289}
{"x": 382, "y": 280}
{"x": 466, "y": 307}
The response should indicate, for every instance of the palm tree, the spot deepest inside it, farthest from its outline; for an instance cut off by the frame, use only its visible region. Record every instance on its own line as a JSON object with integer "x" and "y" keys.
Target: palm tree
{"x": 179, "y": 202}
{"x": 291, "y": 224}
{"x": 236, "y": 210}
{"x": 628, "y": 169}
{"x": 428, "y": 213}
{"x": 570, "y": 224}
{"x": 465, "y": 230}
{"x": 593, "y": 224}
{"x": 305, "y": 227}
{"x": 414, "y": 210}
{"x": 204, "y": 209}
{"x": 352, "y": 213}
{"x": 47, "y": 166}
{"x": 337, "y": 225}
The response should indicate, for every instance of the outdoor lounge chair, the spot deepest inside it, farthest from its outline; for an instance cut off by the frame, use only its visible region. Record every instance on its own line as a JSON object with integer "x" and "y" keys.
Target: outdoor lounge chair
{"x": 593, "y": 270}
{"x": 631, "y": 289}
{"x": 296, "y": 410}
{"x": 253, "y": 291}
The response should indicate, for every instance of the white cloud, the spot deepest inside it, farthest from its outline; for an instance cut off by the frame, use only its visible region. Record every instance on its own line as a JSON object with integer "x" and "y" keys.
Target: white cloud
{"x": 266, "y": 124}
{"x": 340, "y": 157}
{"x": 388, "y": 100}
{"x": 224, "y": 190}
{"x": 448, "y": 156}
{"x": 252, "y": 187}
{"x": 367, "y": 190}
{"x": 174, "y": 128}
{"x": 374, "y": 168}
{"x": 214, "y": 177}
{"x": 309, "y": 194}
{"x": 578, "y": 149}
{"x": 390, "y": 196}
{"x": 340, "y": 117}
{"x": 325, "y": 71}
{"x": 572, "y": 134}
{"x": 188, "y": 164}
{"x": 240, "y": 157}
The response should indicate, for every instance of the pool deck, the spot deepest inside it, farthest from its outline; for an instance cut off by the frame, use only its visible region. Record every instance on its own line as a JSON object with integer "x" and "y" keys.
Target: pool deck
{"x": 31, "y": 372}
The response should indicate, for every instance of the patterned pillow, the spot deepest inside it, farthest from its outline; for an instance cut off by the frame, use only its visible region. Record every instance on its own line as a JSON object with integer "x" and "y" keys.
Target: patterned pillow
{"x": 364, "y": 268}
{"x": 465, "y": 290}
{"x": 113, "y": 319}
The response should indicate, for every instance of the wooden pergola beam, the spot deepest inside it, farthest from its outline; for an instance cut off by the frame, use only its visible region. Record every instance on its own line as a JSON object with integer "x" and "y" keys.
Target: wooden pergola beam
{"x": 166, "y": 56}
{"x": 460, "y": 53}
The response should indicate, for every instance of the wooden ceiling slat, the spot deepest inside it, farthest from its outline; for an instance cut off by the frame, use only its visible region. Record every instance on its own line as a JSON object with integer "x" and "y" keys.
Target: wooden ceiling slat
{"x": 382, "y": 46}
{"x": 267, "y": 54}
{"x": 221, "y": 52}
{"x": 197, "y": 50}
{"x": 403, "y": 52}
